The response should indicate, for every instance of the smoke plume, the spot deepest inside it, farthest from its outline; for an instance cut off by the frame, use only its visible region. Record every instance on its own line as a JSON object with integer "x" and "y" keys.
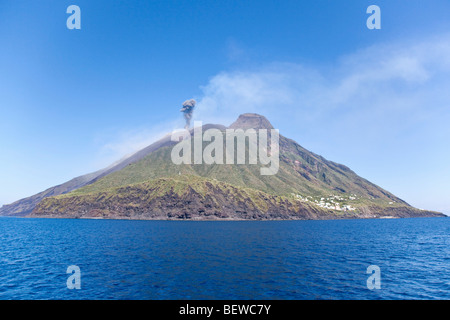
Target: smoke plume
{"x": 188, "y": 110}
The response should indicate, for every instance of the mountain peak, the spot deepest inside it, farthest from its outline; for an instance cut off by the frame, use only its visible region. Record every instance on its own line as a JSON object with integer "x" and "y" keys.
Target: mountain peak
{"x": 251, "y": 121}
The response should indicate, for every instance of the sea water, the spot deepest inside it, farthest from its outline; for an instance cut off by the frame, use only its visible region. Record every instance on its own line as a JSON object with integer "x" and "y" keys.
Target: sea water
{"x": 122, "y": 259}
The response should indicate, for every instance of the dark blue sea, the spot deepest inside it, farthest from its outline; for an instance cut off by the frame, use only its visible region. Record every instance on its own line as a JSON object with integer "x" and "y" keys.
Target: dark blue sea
{"x": 225, "y": 260}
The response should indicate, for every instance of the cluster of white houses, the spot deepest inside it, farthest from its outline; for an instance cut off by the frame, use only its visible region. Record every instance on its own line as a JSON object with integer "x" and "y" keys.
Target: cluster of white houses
{"x": 329, "y": 203}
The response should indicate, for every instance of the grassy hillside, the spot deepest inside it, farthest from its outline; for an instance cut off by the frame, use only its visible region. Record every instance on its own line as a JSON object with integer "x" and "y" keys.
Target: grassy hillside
{"x": 194, "y": 197}
{"x": 301, "y": 172}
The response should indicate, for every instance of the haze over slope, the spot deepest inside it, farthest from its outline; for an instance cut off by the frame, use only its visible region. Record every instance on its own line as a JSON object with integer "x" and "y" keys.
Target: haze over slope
{"x": 26, "y": 205}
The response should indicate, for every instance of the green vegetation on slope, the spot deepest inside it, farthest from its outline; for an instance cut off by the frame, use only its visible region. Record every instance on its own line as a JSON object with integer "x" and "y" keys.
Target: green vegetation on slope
{"x": 300, "y": 172}
{"x": 306, "y": 186}
{"x": 179, "y": 197}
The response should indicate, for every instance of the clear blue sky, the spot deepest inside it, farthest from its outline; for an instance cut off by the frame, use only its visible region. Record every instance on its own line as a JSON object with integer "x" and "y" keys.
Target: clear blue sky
{"x": 72, "y": 101}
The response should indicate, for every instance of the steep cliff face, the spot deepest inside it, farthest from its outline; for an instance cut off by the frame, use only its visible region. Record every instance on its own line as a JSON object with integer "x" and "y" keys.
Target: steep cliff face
{"x": 306, "y": 186}
{"x": 197, "y": 198}
{"x": 186, "y": 197}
